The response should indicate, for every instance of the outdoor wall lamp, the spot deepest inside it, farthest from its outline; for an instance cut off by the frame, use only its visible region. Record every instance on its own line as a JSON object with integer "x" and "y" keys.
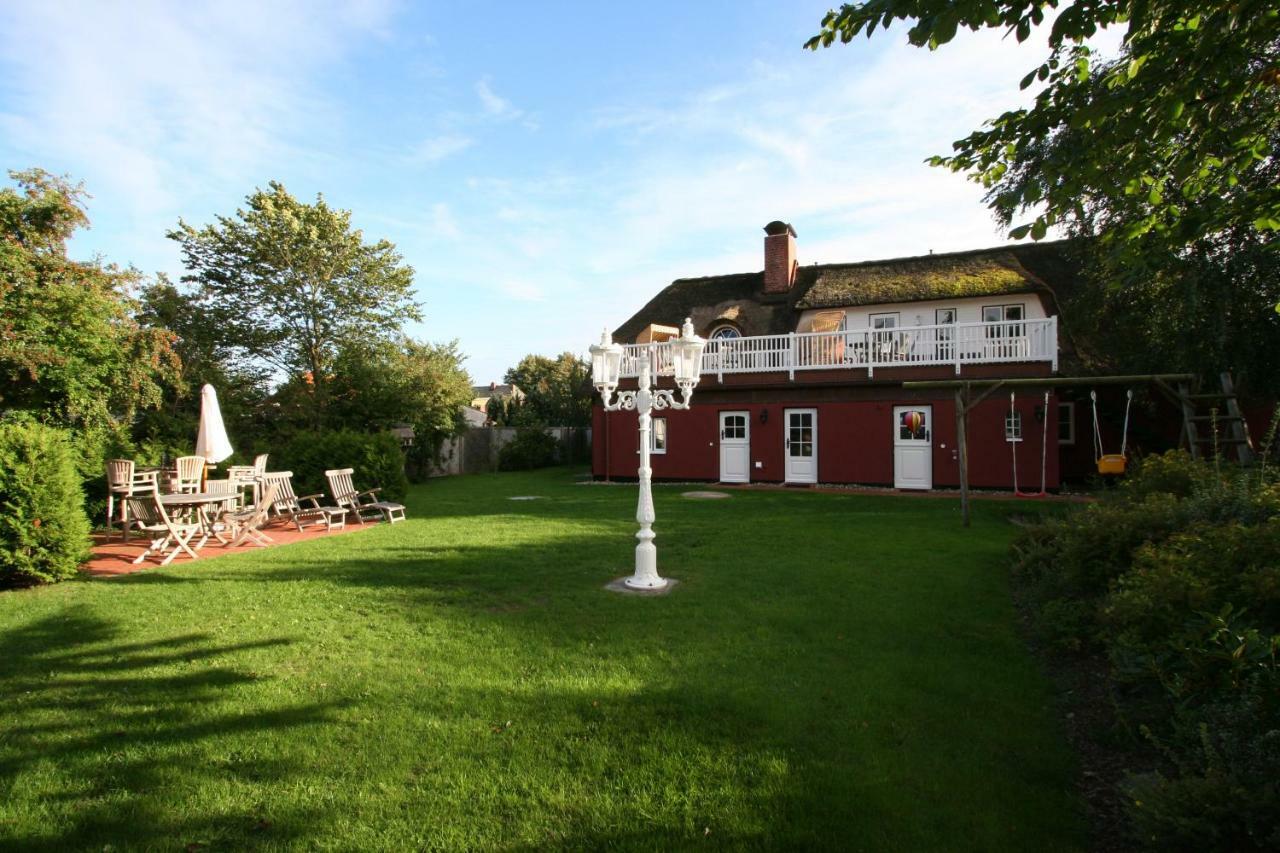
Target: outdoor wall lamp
{"x": 606, "y": 371}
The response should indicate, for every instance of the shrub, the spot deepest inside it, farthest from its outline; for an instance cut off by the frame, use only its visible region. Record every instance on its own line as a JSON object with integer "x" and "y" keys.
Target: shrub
{"x": 44, "y": 533}
{"x": 1080, "y": 554}
{"x": 531, "y": 448}
{"x": 1205, "y": 569}
{"x": 1225, "y": 794}
{"x": 1172, "y": 473}
{"x": 1176, "y": 575}
{"x": 376, "y": 457}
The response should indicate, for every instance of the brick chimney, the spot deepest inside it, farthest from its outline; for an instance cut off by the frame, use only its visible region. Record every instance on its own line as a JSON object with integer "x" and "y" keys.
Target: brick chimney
{"x": 779, "y": 257}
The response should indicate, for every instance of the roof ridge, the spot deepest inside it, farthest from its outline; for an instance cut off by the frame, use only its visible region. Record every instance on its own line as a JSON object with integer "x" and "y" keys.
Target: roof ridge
{"x": 938, "y": 255}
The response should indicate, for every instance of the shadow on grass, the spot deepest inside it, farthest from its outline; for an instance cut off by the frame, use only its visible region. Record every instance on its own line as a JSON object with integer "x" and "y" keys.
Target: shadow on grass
{"x": 108, "y": 725}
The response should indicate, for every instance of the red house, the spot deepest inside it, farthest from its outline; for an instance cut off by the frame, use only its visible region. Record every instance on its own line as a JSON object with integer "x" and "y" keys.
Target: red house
{"x": 804, "y": 371}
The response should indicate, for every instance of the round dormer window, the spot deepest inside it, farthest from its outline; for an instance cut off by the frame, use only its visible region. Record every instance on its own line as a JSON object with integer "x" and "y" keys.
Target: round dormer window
{"x": 724, "y": 333}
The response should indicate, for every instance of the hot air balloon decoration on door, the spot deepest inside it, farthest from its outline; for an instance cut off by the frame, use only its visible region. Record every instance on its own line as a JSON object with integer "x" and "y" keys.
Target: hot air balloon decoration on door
{"x": 912, "y": 423}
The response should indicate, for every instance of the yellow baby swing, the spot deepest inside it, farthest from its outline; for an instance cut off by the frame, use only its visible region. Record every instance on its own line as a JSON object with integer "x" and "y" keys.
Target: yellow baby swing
{"x": 1110, "y": 463}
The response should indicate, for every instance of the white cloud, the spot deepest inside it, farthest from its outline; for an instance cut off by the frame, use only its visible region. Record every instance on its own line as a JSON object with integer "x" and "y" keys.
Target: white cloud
{"x": 444, "y": 222}
{"x": 522, "y": 291}
{"x": 437, "y": 148}
{"x": 494, "y": 104}
{"x": 159, "y": 106}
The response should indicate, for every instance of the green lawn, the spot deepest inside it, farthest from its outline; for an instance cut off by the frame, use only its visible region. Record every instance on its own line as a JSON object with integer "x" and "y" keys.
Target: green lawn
{"x": 834, "y": 670}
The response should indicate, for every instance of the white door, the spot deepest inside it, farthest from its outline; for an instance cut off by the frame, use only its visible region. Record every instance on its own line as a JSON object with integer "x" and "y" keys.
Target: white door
{"x": 913, "y": 447}
{"x": 802, "y": 445}
{"x": 735, "y": 447}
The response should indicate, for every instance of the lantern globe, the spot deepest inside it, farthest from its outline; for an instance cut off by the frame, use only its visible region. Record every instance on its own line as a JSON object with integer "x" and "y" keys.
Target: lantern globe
{"x": 686, "y": 355}
{"x": 606, "y": 362}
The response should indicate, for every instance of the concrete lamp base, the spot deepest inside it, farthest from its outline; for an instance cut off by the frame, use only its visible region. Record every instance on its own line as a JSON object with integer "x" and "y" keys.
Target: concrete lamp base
{"x": 622, "y": 585}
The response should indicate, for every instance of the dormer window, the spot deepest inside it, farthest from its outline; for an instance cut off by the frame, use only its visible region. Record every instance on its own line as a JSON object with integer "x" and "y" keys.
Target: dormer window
{"x": 724, "y": 333}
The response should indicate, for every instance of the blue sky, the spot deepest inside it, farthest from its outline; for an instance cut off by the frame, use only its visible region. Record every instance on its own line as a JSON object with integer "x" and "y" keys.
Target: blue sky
{"x": 545, "y": 168}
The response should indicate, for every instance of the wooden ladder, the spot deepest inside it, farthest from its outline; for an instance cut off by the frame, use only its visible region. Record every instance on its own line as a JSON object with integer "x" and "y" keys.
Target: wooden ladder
{"x": 1224, "y": 413}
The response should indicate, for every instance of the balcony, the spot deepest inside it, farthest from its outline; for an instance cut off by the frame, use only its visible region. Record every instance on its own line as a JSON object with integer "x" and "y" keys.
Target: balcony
{"x": 954, "y": 344}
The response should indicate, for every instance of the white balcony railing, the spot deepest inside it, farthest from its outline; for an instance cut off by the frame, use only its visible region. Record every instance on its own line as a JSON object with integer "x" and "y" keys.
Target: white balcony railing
{"x": 955, "y": 344}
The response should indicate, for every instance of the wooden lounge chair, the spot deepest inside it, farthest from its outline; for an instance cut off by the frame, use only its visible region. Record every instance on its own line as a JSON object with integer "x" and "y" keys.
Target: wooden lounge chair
{"x": 246, "y": 524}
{"x": 125, "y": 481}
{"x": 345, "y": 495}
{"x": 289, "y": 506}
{"x": 168, "y": 535}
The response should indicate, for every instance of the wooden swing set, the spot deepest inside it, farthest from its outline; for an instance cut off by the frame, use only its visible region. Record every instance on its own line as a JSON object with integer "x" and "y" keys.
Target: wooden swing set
{"x": 1108, "y": 463}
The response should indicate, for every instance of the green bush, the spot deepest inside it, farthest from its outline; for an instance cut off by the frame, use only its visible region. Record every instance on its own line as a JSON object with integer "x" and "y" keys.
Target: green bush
{"x": 376, "y": 457}
{"x": 1201, "y": 570}
{"x": 531, "y": 448}
{"x": 1223, "y": 791}
{"x": 44, "y": 533}
{"x": 1175, "y": 576}
{"x": 1171, "y": 473}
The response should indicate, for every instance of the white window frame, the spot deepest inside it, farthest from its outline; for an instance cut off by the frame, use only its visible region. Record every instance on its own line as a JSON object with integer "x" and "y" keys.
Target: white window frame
{"x": 872, "y": 318}
{"x": 1071, "y": 422}
{"x": 657, "y": 444}
{"x": 937, "y": 321}
{"x": 1013, "y": 426}
{"x": 724, "y": 327}
{"x": 745, "y": 419}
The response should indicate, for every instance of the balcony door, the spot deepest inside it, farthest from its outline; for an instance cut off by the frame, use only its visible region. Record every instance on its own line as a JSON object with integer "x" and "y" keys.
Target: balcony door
{"x": 913, "y": 447}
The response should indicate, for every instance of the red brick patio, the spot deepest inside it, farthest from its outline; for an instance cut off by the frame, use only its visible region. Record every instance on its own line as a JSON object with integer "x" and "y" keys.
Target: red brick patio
{"x": 114, "y": 557}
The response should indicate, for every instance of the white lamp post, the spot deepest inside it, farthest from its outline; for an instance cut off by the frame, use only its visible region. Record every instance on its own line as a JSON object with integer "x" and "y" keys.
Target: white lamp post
{"x": 606, "y": 368}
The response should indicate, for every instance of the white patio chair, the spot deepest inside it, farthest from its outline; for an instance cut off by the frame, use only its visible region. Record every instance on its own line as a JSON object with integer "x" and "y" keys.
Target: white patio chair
{"x": 189, "y": 473}
{"x": 124, "y": 480}
{"x": 168, "y": 535}
{"x": 345, "y": 495}
{"x": 246, "y": 524}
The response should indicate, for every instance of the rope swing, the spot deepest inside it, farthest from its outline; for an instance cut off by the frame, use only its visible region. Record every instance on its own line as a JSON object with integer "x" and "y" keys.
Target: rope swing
{"x": 1110, "y": 463}
{"x": 1044, "y": 449}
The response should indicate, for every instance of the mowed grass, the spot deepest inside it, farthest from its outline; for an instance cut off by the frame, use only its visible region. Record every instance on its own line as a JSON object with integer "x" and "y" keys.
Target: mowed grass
{"x": 834, "y": 670}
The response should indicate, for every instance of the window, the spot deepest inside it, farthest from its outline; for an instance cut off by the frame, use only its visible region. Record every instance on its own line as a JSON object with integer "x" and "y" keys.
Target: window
{"x": 882, "y": 336}
{"x": 913, "y": 425}
{"x": 1066, "y": 423}
{"x": 945, "y": 338}
{"x": 658, "y": 435}
{"x": 724, "y": 333}
{"x": 1013, "y": 426}
{"x": 735, "y": 426}
{"x": 1011, "y": 316}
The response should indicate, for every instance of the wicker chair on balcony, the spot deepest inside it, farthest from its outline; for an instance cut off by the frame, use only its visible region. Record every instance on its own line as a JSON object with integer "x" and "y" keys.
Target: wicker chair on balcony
{"x": 345, "y": 495}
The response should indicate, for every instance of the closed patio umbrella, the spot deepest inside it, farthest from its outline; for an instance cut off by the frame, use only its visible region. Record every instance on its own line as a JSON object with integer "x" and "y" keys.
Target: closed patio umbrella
{"x": 211, "y": 442}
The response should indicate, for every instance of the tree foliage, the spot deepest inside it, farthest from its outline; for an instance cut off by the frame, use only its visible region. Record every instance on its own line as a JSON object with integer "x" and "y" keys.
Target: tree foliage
{"x": 557, "y": 391}
{"x": 44, "y": 533}
{"x": 1169, "y": 137}
{"x": 291, "y": 285}
{"x": 71, "y": 348}
{"x": 401, "y": 382}
{"x": 243, "y": 387}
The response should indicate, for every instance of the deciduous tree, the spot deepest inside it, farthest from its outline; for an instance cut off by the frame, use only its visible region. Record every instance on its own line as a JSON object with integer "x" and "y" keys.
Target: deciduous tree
{"x": 557, "y": 390}
{"x": 291, "y": 284}
{"x": 71, "y": 349}
{"x": 1169, "y": 136}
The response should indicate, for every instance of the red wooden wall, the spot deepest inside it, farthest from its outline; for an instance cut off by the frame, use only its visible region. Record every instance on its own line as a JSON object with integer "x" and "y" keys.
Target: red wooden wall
{"x": 855, "y": 442}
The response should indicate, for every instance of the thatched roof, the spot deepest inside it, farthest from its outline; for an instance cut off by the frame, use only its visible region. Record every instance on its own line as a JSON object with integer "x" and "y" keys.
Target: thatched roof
{"x": 739, "y": 298}
{"x": 710, "y": 301}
